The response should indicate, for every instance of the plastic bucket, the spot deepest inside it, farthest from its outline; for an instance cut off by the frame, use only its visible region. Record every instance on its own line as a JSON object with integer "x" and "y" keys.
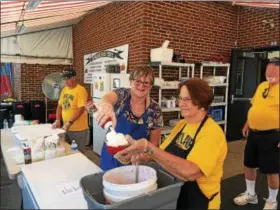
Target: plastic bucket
{"x": 119, "y": 183}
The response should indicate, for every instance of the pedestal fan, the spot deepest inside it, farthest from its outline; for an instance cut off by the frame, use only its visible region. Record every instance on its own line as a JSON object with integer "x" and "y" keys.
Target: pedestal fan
{"x": 51, "y": 87}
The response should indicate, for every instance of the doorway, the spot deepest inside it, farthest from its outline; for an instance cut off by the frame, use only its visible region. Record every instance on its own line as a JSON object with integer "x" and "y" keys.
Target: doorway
{"x": 246, "y": 73}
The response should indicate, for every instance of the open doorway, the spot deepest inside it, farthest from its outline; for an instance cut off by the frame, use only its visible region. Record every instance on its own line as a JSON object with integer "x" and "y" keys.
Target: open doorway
{"x": 247, "y": 72}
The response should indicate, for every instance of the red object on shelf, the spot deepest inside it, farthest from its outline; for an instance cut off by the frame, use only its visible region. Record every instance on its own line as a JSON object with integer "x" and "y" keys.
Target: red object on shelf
{"x": 114, "y": 150}
{"x": 52, "y": 116}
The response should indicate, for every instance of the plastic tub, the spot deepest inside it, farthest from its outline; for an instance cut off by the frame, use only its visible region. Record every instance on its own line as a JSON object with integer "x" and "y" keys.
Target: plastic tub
{"x": 164, "y": 197}
{"x": 112, "y": 199}
{"x": 121, "y": 181}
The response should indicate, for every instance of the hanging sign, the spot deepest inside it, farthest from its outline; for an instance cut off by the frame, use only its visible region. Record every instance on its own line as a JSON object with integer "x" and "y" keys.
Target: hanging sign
{"x": 99, "y": 61}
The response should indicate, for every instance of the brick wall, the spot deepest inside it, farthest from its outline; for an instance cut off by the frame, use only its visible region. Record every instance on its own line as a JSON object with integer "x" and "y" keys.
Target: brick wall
{"x": 252, "y": 32}
{"x": 110, "y": 26}
{"x": 31, "y": 78}
{"x": 198, "y": 30}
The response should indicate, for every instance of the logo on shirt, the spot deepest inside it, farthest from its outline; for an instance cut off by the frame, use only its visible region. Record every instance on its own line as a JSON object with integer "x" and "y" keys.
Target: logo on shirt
{"x": 67, "y": 99}
{"x": 184, "y": 142}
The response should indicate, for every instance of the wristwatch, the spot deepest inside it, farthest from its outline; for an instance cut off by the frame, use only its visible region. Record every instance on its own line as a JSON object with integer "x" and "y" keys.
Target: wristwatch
{"x": 70, "y": 122}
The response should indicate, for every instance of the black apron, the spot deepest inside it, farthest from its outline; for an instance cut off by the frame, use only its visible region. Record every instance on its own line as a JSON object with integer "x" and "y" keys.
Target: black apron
{"x": 191, "y": 197}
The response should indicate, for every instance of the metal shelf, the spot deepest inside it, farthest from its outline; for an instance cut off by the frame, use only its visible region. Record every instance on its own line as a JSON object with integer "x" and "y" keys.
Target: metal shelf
{"x": 215, "y": 64}
{"x": 221, "y": 122}
{"x": 177, "y": 109}
{"x": 219, "y": 104}
{"x": 225, "y": 85}
{"x": 169, "y": 88}
{"x": 172, "y": 64}
{"x": 166, "y": 130}
{"x": 219, "y": 85}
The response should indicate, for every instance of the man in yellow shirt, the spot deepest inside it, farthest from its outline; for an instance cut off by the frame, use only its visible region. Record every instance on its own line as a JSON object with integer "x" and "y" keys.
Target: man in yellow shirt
{"x": 71, "y": 107}
{"x": 262, "y": 148}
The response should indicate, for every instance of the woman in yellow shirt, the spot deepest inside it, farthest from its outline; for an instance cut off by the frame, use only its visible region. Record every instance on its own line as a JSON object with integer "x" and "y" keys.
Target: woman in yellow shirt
{"x": 194, "y": 151}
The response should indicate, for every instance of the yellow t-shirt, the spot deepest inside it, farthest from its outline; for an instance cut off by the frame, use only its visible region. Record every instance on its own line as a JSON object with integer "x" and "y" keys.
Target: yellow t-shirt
{"x": 208, "y": 153}
{"x": 264, "y": 113}
{"x": 71, "y": 100}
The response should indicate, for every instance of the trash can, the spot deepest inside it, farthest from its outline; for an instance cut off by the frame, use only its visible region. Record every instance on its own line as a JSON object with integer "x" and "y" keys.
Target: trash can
{"x": 164, "y": 197}
{"x": 37, "y": 111}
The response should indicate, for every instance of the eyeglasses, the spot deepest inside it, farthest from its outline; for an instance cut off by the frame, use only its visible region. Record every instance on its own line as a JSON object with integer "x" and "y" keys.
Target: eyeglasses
{"x": 145, "y": 83}
{"x": 265, "y": 92}
{"x": 184, "y": 99}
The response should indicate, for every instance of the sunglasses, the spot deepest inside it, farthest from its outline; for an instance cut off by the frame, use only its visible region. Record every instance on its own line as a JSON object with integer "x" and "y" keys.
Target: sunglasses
{"x": 265, "y": 92}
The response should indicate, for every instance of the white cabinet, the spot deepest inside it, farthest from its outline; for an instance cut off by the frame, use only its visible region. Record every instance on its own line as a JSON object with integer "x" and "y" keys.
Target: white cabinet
{"x": 211, "y": 72}
{"x": 184, "y": 71}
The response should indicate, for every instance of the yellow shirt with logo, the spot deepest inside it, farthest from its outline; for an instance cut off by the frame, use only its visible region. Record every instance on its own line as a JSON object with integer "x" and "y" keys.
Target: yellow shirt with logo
{"x": 208, "y": 153}
{"x": 264, "y": 112}
{"x": 71, "y": 100}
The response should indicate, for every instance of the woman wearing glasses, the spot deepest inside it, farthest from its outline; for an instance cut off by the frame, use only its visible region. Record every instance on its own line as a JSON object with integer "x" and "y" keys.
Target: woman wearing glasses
{"x": 133, "y": 112}
{"x": 263, "y": 139}
{"x": 194, "y": 151}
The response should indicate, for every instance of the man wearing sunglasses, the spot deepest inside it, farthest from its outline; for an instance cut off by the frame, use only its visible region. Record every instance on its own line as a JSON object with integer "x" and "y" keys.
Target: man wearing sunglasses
{"x": 263, "y": 139}
{"x": 132, "y": 111}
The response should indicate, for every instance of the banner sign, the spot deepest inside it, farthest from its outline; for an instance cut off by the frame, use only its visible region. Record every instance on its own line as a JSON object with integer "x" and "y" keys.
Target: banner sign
{"x": 99, "y": 61}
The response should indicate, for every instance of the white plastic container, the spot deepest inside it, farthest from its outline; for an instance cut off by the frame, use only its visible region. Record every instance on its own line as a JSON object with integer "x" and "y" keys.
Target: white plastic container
{"x": 162, "y": 54}
{"x": 38, "y": 155}
{"x": 111, "y": 198}
{"x": 60, "y": 151}
{"x": 119, "y": 183}
{"x": 18, "y": 117}
{"x": 50, "y": 153}
{"x": 214, "y": 79}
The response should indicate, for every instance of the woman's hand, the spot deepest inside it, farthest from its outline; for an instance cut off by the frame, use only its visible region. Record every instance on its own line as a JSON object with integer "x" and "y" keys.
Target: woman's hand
{"x": 104, "y": 113}
{"x": 141, "y": 158}
{"x": 135, "y": 148}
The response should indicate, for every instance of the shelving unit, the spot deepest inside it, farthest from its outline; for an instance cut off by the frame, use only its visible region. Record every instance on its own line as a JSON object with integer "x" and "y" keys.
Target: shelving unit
{"x": 190, "y": 73}
{"x": 224, "y": 104}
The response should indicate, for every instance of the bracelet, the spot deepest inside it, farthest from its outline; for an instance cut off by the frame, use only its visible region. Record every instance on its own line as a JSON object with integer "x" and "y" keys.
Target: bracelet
{"x": 151, "y": 151}
{"x": 70, "y": 122}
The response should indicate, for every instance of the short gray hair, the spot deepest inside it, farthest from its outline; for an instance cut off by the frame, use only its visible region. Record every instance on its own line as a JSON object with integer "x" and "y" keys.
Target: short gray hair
{"x": 275, "y": 61}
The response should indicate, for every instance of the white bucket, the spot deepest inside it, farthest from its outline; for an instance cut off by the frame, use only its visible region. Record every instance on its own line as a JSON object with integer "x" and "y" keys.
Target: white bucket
{"x": 18, "y": 117}
{"x": 119, "y": 183}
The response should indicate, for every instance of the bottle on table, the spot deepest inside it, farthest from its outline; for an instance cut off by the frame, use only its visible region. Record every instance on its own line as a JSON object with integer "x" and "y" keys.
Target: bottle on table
{"x": 27, "y": 155}
{"x": 74, "y": 146}
{"x": 6, "y": 124}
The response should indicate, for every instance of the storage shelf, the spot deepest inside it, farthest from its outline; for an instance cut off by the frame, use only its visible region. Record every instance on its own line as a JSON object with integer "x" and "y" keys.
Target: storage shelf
{"x": 170, "y": 109}
{"x": 172, "y": 64}
{"x": 215, "y": 64}
{"x": 169, "y": 88}
{"x": 166, "y": 130}
{"x": 221, "y": 122}
{"x": 219, "y": 104}
{"x": 219, "y": 85}
{"x": 225, "y": 86}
